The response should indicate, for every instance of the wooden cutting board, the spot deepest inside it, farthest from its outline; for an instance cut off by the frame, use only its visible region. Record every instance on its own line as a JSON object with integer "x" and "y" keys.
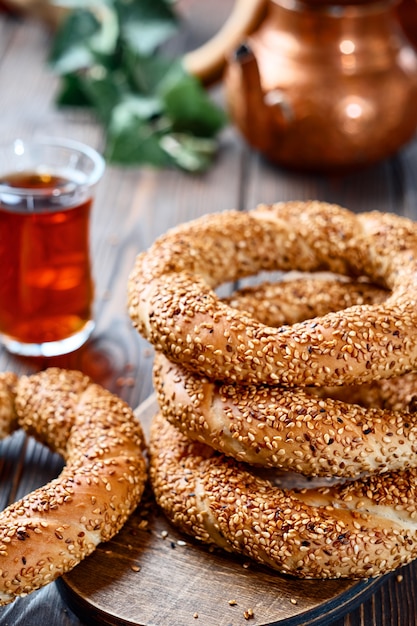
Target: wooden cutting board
{"x": 151, "y": 575}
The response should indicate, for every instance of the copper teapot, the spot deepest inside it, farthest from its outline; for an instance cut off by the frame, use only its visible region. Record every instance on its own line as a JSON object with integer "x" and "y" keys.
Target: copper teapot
{"x": 316, "y": 86}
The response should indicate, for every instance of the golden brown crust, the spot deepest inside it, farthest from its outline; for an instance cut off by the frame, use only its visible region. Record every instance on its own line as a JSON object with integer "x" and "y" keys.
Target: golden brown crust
{"x": 51, "y": 529}
{"x": 8, "y": 418}
{"x": 290, "y": 429}
{"x": 360, "y": 529}
{"x": 317, "y": 433}
{"x": 173, "y": 304}
{"x": 294, "y": 300}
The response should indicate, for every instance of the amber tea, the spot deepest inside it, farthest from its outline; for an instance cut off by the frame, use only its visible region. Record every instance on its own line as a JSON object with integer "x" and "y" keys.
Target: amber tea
{"x": 46, "y": 289}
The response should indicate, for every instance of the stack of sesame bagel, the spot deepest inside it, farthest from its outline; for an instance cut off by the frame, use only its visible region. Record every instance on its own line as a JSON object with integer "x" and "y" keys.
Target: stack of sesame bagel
{"x": 310, "y": 376}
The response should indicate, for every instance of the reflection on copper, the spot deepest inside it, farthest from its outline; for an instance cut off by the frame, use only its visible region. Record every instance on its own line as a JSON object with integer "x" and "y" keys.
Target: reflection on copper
{"x": 323, "y": 88}
{"x": 355, "y": 114}
{"x": 347, "y": 46}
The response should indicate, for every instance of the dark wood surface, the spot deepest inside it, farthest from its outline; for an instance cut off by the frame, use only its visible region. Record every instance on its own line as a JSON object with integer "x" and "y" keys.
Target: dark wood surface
{"x": 133, "y": 206}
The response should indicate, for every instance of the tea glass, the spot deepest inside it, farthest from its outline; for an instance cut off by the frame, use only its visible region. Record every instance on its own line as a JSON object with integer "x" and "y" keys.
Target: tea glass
{"x": 46, "y": 285}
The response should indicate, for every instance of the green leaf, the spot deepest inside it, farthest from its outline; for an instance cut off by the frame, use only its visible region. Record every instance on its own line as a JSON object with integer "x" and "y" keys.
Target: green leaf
{"x": 193, "y": 154}
{"x": 70, "y": 50}
{"x": 133, "y": 144}
{"x": 190, "y": 108}
{"x": 81, "y": 4}
{"x": 96, "y": 87}
{"x": 103, "y": 89}
{"x": 72, "y": 92}
{"x": 135, "y": 107}
{"x": 86, "y": 37}
{"x": 152, "y": 111}
{"x": 146, "y": 24}
{"x": 148, "y": 73}
{"x": 104, "y": 41}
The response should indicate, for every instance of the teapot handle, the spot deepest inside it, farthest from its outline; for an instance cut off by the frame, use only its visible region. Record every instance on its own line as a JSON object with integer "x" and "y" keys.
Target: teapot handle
{"x": 207, "y": 62}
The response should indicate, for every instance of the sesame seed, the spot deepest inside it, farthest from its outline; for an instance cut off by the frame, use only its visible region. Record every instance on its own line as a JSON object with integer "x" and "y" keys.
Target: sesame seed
{"x": 135, "y": 568}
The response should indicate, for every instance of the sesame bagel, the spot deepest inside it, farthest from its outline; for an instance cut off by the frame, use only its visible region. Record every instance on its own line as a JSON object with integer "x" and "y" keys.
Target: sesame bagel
{"x": 341, "y": 431}
{"x": 293, "y": 300}
{"x": 289, "y": 429}
{"x": 359, "y": 529}
{"x": 173, "y": 304}
{"x": 49, "y": 531}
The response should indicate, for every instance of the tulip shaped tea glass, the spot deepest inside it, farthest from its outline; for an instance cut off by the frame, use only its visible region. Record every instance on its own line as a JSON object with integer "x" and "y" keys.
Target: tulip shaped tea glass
{"x": 46, "y": 285}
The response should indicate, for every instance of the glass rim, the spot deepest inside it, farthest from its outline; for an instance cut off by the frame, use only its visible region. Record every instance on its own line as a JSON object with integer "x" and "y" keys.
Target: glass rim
{"x": 56, "y": 142}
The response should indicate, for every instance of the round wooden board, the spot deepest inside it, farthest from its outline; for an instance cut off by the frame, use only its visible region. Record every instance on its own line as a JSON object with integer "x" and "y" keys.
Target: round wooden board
{"x": 151, "y": 575}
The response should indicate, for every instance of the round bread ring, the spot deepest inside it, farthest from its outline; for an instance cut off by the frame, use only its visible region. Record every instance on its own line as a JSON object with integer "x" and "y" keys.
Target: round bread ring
{"x": 289, "y": 429}
{"x": 360, "y": 529}
{"x": 296, "y": 299}
{"x": 344, "y": 431}
{"x": 49, "y": 531}
{"x": 173, "y": 304}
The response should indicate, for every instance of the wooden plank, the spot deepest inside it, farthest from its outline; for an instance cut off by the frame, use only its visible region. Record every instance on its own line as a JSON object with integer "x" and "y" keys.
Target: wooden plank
{"x": 370, "y": 189}
{"x": 6, "y": 35}
{"x": 29, "y": 87}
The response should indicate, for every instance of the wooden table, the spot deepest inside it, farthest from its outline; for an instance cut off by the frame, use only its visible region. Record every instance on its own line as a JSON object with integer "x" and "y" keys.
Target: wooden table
{"x": 134, "y": 206}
